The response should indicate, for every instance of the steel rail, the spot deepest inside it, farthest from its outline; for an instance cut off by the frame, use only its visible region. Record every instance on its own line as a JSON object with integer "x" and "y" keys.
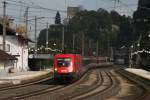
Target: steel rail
{"x": 139, "y": 81}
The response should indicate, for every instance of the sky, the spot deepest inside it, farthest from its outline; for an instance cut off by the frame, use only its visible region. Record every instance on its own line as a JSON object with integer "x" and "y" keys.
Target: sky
{"x": 16, "y": 9}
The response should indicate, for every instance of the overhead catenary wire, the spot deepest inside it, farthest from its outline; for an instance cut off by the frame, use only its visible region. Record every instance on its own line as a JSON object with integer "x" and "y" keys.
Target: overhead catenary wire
{"x": 37, "y": 7}
{"x": 123, "y": 4}
{"x": 126, "y": 5}
{"x": 40, "y": 7}
{"x": 120, "y": 6}
{"x": 27, "y": 5}
{"x": 41, "y": 10}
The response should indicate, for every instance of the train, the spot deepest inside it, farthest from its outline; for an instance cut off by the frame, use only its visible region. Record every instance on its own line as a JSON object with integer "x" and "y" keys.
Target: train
{"x": 67, "y": 66}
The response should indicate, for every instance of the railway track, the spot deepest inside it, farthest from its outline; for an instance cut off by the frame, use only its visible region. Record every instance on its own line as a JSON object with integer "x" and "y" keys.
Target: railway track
{"x": 140, "y": 82}
{"x": 24, "y": 85}
{"x": 83, "y": 89}
{"x": 32, "y": 89}
{"x": 103, "y": 87}
{"x": 35, "y": 97}
{"x": 15, "y": 91}
{"x": 27, "y": 90}
{"x": 98, "y": 83}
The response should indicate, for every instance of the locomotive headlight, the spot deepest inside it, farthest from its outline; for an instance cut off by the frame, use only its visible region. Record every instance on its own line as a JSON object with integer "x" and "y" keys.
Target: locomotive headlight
{"x": 55, "y": 69}
{"x": 70, "y": 67}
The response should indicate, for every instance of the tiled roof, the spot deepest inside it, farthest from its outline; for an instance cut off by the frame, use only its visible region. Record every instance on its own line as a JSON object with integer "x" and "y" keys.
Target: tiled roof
{"x": 12, "y": 32}
{"x": 8, "y": 31}
{"x": 6, "y": 56}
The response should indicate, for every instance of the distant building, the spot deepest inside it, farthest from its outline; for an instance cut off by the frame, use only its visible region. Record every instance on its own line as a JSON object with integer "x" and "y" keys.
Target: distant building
{"x": 17, "y": 46}
{"x": 72, "y": 11}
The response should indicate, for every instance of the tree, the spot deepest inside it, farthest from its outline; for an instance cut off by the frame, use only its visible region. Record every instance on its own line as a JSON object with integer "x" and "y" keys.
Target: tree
{"x": 54, "y": 36}
{"x": 142, "y": 17}
{"x": 142, "y": 22}
{"x": 126, "y": 34}
{"x": 95, "y": 25}
{"x": 116, "y": 18}
{"x": 142, "y": 29}
{"x": 57, "y": 18}
{"x": 110, "y": 29}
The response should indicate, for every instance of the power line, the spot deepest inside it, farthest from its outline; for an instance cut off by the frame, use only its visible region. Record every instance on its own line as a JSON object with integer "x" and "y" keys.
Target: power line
{"x": 126, "y": 5}
{"x": 119, "y": 6}
{"x": 38, "y": 7}
{"x": 20, "y": 2}
{"x": 45, "y": 9}
{"x": 120, "y": 2}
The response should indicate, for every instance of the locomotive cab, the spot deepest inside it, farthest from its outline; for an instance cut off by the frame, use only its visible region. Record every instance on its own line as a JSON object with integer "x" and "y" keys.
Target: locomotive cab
{"x": 66, "y": 66}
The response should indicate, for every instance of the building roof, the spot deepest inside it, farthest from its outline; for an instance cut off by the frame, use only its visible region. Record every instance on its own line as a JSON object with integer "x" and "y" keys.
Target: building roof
{"x": 12, "y": 32}
{"x": 8, "y": 31}
{"x": 6, "y": 56}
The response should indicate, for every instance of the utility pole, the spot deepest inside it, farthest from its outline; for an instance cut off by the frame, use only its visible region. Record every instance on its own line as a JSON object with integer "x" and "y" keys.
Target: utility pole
{"x": 90, "y": 43}
{"x": 112, "y": 54}
{"x": 90, "y": 49}
{"x": 96, "y": 4}
{"x": 130, "y": 56}
{"x": 82, "y": 44}
{"x": 35, "y": 29}
{"x": 115, "y": 3}
{"x": 47, "y": 35}
{"x": 97, "y": 48}
{"x": 26, "y": 21}
{"x": 63, "y": 37}
{"x": 73, "y": 43}
{"x": 108, "y": 46}
{"x": 4, "y": 25}
{"x": 35, "y": 33}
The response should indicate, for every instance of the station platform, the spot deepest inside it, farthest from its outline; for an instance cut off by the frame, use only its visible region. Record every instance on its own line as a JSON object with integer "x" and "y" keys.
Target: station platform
{"x": 139, "y": 72}
{"x": 18, "y": 77}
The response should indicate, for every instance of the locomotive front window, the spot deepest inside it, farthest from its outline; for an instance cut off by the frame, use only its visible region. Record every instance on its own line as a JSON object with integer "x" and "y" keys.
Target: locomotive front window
{"x": 63, "y": 62}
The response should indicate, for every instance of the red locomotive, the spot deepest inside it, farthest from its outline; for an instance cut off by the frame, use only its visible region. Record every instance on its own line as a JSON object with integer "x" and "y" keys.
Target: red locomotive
{"x": 67, "y": 65}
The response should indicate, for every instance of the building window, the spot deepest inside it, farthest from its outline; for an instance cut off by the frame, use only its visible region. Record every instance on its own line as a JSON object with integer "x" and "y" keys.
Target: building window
{"x": 7, "y": 47}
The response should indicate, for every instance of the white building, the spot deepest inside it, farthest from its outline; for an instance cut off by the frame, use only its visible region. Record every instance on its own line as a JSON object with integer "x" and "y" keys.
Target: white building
{"x": 7, "y": 62}
{"x": 17, "y": 46}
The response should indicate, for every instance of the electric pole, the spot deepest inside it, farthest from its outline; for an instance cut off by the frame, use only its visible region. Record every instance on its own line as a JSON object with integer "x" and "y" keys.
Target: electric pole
{"x": 26, "y": 21}
{"x": 96, "y": 4}
{"x": 73, "y": 43}
{"x": 97, "y": 48}
{"x": 112, "y": 54}
{"x": 4, "y": 25}
{"x": 63, "y": 37}
{"x": 108, "y": 47}
{"x": 47, "y": 35}
{"x": 35, "y": 33}
{"x": 82, "y": 44}
{"x": 115, "y": 3}
{"x": 90, "y": 49}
